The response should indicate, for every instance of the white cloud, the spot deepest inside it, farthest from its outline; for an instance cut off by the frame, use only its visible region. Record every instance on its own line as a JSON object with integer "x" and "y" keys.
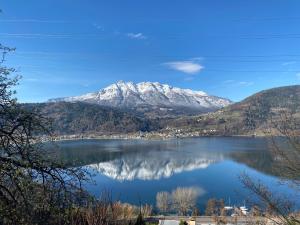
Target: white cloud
{"x": 136, "y": 36}
{"x": 190, "y": 67}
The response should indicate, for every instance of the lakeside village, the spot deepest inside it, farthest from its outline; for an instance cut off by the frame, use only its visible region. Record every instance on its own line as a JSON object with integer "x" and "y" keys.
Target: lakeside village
{"x": 168, "y": 133}
{"x": 213, "y": 215}
{"x": 214, "y": 220}
{"x": 229, "y": 215}
{"x": 218, "y": 215}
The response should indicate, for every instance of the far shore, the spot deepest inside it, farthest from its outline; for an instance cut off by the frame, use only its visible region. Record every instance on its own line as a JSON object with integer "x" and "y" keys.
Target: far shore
{"x": 148, "y": 136}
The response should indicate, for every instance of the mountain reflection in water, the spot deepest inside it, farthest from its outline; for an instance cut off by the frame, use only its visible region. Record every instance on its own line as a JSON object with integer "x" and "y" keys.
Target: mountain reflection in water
{"x": 144, "y": 167}
{"x": 149, "y": 160}
{"x": 133, "y": 168}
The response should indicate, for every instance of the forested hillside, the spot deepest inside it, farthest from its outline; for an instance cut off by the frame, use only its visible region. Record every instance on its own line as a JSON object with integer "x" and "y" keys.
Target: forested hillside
{"x": 254, "y": 115}
{"x": 85, "y": 118}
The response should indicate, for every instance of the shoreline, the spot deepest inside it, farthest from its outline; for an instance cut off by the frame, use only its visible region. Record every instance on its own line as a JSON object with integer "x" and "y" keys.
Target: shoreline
{"x": 137, "y": 137}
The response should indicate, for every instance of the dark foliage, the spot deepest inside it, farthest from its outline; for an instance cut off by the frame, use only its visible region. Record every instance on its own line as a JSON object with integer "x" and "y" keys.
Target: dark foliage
{"x": 85, "y": 118}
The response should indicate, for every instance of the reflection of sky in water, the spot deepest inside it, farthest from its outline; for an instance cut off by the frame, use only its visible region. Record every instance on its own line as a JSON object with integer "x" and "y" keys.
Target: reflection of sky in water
{"x": 139, "y": 169}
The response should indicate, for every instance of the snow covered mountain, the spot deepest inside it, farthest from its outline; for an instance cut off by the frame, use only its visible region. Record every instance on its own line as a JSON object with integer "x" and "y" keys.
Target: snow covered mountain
{"x": 154, "y": 95}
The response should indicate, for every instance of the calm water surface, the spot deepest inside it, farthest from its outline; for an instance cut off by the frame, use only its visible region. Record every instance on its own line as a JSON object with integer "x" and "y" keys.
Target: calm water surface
{"x": 138, "y": 169}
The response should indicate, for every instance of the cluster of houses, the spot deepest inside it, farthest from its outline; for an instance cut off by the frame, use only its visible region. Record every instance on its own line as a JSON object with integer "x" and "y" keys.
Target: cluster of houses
{"x": 165, "y": 134}
{"x": 233, "y": 215}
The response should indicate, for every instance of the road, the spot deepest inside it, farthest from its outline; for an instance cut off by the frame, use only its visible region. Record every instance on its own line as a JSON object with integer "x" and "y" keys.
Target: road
{"x": 206, "y": 220}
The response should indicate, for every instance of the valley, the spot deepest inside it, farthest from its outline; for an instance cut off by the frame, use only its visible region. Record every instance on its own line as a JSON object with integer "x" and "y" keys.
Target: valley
{"x": 254, "y": 116}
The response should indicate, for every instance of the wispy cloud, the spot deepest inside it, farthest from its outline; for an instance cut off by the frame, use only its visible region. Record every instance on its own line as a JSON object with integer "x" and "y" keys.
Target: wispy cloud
{"x": 31, "y": 79}
{"x": 228, "y": 81}
{"x": 98, "y": 27}
{"x": 136, "y": 36}
{"x": 43, "y": 78}
{"x": 245, "y": 83}
{"x": 188, "y": 78}
{"x": 197, "y": 59}
{"x": 32, "y": 21}
{"x": 289, "y": 63}
{"x": 44, "y": 35}
{"x": 298, "y": 75}
{"x": 189, "y": 66}
{"x": 238, "y": 83}
{"x": 36, "y": 35}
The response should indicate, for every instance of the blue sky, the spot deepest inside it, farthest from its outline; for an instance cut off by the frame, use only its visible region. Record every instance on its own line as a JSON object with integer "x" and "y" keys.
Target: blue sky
{"x": 230, "y": 48}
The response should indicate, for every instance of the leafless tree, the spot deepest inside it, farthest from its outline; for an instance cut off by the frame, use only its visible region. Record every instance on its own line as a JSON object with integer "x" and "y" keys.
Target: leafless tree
{"x": 278, "y": 208}
{"x": 285, "y": 150}
{"x": 196, "y": 211}
{"x": 215, "y": 207}
{"x": 210, "y": 207}
{"x": 33, "y": 187}
{"x": 163, "y": 201}
{"x": 184, "y": 199}
{"x": 106, "y": 211}
{"x": 146, "y": 210}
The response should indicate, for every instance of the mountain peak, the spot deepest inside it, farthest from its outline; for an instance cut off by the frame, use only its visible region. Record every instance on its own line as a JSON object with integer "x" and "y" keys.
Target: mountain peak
{"x": 154, "y": 94}
{"x": 121, "y": 82}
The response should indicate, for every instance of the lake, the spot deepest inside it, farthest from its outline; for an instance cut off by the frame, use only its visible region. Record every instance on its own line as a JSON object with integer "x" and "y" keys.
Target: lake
{"x": 135, "y": 170}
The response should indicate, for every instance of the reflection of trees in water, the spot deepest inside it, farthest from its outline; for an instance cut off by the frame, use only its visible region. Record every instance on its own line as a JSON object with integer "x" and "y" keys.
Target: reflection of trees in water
{"x": 263, "y": 160}
{"x": 81, "y": 153}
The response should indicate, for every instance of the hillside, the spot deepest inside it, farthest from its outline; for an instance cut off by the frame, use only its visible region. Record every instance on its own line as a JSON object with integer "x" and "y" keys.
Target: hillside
{"x": 250, "y": 116}
{"x": 84, "y": 118}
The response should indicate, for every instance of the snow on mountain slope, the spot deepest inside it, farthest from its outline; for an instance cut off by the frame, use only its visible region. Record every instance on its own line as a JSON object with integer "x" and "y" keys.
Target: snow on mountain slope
{"x": 128, "y": 94}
